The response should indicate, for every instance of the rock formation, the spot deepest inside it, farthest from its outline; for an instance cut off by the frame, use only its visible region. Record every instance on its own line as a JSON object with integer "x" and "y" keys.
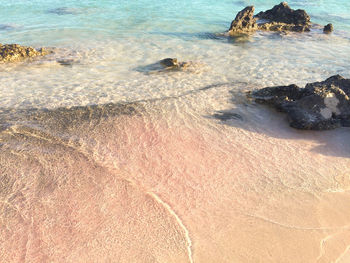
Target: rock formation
{"x": 319, "y": 106}
{"x": 244, "y": 22}
{"x": 15, "y": 52}
{"x": 280, "y": 18}
{"x": 328, "y": 29}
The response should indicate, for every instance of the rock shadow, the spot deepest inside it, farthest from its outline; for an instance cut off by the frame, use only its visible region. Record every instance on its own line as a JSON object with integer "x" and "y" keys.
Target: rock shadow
{"x": 62, "y": 118}
{"x": 261, "y": 119}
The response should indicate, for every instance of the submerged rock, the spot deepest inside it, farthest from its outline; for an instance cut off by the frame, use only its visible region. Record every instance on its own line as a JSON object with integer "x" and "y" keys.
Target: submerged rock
{"x": 66, "y": 62}
{"x": 328, "y": 29}
{"x": 280, "y": 18}
{"x": 319, "y": 106}
{"x": 168, "y": 64}
{"x": 244, "y": 22}
{"x": 15, "y": 52}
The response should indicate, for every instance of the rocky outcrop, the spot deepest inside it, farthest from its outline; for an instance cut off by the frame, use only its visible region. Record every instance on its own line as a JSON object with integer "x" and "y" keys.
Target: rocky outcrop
{"x": 319, "y": 106}
{"x": 244, "y": 22}
{"x": 282, "y": 27}
{"x": 15, "y": 52}
{"x": 328, "y": 29}
{"x": 280, "y": 18}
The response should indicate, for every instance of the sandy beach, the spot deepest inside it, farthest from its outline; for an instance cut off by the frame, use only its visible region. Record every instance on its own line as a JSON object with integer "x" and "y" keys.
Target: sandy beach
{"x": 165, "y": 181}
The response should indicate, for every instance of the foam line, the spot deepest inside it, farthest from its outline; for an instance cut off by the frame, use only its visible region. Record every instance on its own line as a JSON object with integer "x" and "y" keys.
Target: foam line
{"x": 178, "y": 220}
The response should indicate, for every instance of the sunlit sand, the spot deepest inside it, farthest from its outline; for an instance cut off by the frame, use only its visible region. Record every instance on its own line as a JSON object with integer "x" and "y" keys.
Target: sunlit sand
{"x": 165, "y": 181}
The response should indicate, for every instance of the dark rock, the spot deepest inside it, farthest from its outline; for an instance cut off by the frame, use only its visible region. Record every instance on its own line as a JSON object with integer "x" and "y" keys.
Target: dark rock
{"x": 15, "y": 52}
{"x": 244, "y": 22}
{"x": 328, "y": 29}
{"x": 282, "y": 18}
{"x": 277, "y": 96}
{"x": 167, "y": 65}
{"x": 284, "y": 14}
{"x": 172, "y": 63}
{"x": 319, "y": 106}
{"x": 169, "y": 62}
{"x": 281, "y": 27}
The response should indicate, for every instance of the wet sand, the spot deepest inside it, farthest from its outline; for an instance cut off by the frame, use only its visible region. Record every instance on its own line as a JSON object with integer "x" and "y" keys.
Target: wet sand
{"x": 167, "y": 181}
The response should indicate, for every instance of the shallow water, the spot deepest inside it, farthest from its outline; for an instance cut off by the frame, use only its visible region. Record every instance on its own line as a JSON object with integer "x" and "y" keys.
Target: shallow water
{"x": 103, "y": 161}
{"x": 111, "y": 39}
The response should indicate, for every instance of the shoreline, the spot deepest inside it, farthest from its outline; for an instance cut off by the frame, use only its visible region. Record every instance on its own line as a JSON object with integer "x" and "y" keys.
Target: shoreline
{"x": 134, "y": 141}
{"x": 269, "y": 190}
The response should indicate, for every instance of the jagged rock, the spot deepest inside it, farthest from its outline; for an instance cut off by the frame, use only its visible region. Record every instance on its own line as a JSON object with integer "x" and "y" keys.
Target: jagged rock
{"x": 282, "y": 27}
{"x": 319, "y": 106}
{"x": 282, "y": 18}
{"x": 244, "y": 22}
{"x": 284, "y": 14}
{"x": 15, "y": 52}
{"x": 328, "y": 29}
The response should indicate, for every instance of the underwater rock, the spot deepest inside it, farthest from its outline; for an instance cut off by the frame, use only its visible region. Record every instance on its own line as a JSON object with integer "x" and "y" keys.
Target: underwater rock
{"x": 15, "y": 52}
{"x": 244, "y": 22}
{"x": 66, "y": 62}
{"x": 168, "y": 64}
{"x": 319, "y": 106}
{"x": 172, "y": 63}
{"x": 328, "y": 29}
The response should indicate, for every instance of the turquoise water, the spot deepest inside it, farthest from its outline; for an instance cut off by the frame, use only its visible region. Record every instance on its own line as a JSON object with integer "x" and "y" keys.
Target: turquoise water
{"x": 110, "y": 40}
{"x": 165, "y": 178}
{"x": 57, "y": 22}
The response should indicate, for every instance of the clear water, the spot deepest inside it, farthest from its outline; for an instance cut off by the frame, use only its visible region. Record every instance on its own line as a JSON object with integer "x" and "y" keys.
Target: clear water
{"x": 111, "y": 39}
{"x": 163, "y": 179}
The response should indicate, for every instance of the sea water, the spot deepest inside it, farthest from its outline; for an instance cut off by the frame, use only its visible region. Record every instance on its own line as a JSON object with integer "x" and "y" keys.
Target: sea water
{"x": 103, "y": 160}
{"x": 109, "y": 40}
